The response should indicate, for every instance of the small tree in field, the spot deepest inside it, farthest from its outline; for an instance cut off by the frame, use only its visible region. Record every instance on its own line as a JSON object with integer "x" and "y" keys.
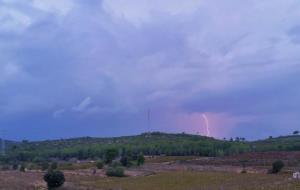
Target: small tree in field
{"x": 277, "y": 166}
{"x": 110, "y": 155}
{"x": 15, "y": 166}
{"x": 243, "y": 163}
{"x": 140, "y": 159}
{"x": 54, "y": 179}
{"x": 115, "y": 171}
{"x": 99, "y": 164}
{"x": 22, "y": 168}
{"x": 295, "y": 132}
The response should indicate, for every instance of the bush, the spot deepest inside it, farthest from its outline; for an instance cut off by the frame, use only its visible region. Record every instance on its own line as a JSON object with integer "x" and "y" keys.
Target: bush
{"x": 140, "y": 159}
{"x": 115, "y": 172}
{"x": 277, "y": 166}
{"x": 243, "y": 171}
{"x": 116, "y": 163}
{"x": 30, "y": 166}
{"x": 15, "y": 166}
{"x": 22, "y": 168}
{"x": 54, "y": 179}
{"x": 110, "y": 155}
{"x": 99, "y": 164}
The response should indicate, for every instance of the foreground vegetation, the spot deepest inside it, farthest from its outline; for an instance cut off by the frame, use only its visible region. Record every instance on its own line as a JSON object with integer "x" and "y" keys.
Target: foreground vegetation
{"x": 196, "y": 180}
{"x": 177, "y": 180}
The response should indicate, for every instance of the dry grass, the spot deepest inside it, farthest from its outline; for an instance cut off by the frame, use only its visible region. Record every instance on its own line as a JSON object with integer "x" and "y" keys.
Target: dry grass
{"x": 195, "y": 181}
{"x": 175, "y": 176}
{"x": 76, "y": 166}
{"x": 14, "y": 180}
{"x": 177, "y": 180}
{"x": 160, "y": 159}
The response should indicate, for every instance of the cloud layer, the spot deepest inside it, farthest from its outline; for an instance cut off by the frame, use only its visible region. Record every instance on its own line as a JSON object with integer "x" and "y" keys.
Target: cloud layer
{"x": 68, "y": 66}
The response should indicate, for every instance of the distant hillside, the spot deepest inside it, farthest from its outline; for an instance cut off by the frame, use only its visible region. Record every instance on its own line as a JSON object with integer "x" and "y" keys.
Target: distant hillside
{"x": 282, "y": 143}
{"x": 155, "y": 143}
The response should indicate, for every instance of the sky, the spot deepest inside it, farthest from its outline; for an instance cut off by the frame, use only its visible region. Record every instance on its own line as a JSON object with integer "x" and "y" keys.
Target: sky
{"x": 71, "y": 68}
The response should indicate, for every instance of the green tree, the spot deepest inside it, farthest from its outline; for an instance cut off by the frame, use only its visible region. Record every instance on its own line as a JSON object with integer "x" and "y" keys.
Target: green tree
{"x": 110, "y": 155}
{"x": 116, "y": 163}
{"x": 99, "y": 164}
{"x": 277, "y": 166}
{"x": 15, "y": 166}
{"x": 296, "y": 132}
{"x": 219, "y": 153}
{"x": 115, "y": 171}
{"x": 140, "y": 159}
{"x": 22, "y": 168}
{"x": 54, "y": 179}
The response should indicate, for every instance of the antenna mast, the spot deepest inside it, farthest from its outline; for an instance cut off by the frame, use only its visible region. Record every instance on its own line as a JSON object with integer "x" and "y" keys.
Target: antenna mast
{"x": 148, "y": 117}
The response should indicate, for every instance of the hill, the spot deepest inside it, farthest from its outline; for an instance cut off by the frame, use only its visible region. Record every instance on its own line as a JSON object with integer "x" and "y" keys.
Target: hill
{"x": 282, "y": 143}
{"x": 155, "y": 143}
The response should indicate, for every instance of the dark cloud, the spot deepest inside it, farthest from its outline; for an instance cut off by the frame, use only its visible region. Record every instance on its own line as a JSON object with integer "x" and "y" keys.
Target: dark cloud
{"x": 268, "y": 95}
{"x": 118, "y": 60}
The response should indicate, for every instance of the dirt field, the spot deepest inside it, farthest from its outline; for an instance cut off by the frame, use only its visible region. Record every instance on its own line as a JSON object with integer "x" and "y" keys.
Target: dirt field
{"x": 175, "y": 180}
{"x": 164, "y": 173}
{"x": 187, "y": 180}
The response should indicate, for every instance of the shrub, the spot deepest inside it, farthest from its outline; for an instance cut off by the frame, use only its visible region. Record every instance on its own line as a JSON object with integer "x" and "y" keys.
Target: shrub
{"x": 110, "y": 155}
{"x": 277, "y": 166}
{"x": 116, "y": 163}
{"x": 99, "y": 164}
{"x": 22, "y": 168}
{"x": 219, "y": 153}
{"x": 54, "y": 179}
{"x": 140, "y": 159}
{"x": 15, "y": 166}
{"x": 30, "y": 166}
{"x": 115, "y": 171}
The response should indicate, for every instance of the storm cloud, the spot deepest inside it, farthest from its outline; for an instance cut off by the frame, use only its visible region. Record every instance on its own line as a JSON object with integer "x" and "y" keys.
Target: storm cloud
{"x": 68, "y": 66}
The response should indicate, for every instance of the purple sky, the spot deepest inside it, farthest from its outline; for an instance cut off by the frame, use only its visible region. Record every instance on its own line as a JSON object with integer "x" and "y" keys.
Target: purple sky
{"x": 72, "y": 68}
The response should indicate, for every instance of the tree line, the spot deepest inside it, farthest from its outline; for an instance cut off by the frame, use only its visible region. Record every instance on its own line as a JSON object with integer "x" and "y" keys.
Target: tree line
{"x": 148, "y": 143}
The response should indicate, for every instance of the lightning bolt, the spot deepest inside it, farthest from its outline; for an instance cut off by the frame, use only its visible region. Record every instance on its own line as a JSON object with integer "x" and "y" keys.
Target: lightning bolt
{"x": 206, "y": 125}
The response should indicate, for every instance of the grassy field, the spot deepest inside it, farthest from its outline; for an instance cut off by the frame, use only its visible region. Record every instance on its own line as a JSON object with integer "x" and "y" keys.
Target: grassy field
{"x": 76, "y": 166}
{"x": 159, "y": 159}
{"x": 177, "y": 180}
{"x": 161, "y": 173}
{"x": 195, "y": 181}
